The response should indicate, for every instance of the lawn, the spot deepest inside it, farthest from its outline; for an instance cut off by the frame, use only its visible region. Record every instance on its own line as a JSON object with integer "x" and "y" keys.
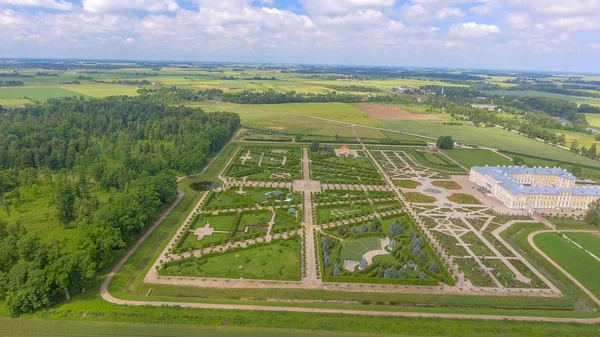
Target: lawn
{"x": 330, "y": 213}
{"x": 255, "y": 218}
{"x": 490, "y": 137}
{"x": 447, "y": 184}
{"x": 227, "y": 199}
{"x": 588, "y": 241}
{"x": 574, "y": 260}
{"x": 465, "y": 199}
{"x": 221, "y": 222}
{"x": 477, "y": 157}
{"x": 419, "y": 198}
{"x": 274, "y": 261}
{"x": 412, "y": 184}
{"x": 353, "y": 250}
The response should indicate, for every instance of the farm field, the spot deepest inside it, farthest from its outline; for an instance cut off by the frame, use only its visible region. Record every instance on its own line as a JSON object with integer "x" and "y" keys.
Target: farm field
{"x": 269, "y": 117}
{"x": 14, "y": 102}
{"x": 35, "y": 93}
{"x": 476, "y": 157}
{"x": 395, "y": 112}
{"x": 531, "y": 93}
{"x": 491, "y": 137}
{"x": 593, "y": 119}
{"x": 102, "y": 89}
{"x": 574, "y": 260}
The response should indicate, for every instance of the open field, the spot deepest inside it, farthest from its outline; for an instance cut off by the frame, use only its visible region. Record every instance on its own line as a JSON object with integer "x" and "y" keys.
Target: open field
{"x": 582, "y": 138}
{"x": 265, "y": 117}
{"x": 531, "y": 93}
{"x": 395, "y": 112}
{"x": 102, "y": 89}
{"x": 14, "y": 102}
{"x": 490, "y": 137}
{"x": 575, "y": 261}
{"x": 36, "y": 93}
{"x": 470, "y": 158}
{"x": 593, "y": 119}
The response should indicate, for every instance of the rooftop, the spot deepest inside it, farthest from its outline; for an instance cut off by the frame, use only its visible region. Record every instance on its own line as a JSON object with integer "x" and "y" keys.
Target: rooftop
{"x": 504, "y": 174}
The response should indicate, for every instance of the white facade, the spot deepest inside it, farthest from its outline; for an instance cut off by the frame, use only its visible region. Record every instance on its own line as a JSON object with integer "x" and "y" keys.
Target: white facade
{"x": 525, "y": 188}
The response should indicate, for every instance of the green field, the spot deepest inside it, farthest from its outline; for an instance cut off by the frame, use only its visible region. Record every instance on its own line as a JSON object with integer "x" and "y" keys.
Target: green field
{"x": 532, "y": 93}
{"x": 593, "y": 119}
{"x": 463, "y": 198}
{"x": 102, "y": 90}
{"x": 492, "y": 138}
{"x": 36, "y": 93}
{"x": 65, "y": 328}
{"x": 353, "y": 250}
{"x": 575, "y": 261}
{"x": 589, "y": 241}
{"x": 419, "y": 197}
{"x": 292, "y": 118}
{"x": 470, "y": 158}
{"x": 274, "y": 261}
{"x": 14, "y": 102}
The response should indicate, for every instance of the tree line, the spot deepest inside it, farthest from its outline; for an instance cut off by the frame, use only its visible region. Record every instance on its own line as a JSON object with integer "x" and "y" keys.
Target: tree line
{"x": 129, "y": 147}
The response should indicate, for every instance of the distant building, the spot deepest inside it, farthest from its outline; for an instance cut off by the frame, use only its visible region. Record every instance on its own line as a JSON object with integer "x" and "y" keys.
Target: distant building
{"x": 432, "y": 146}
{"x": 345, "y": 150}
{"x": 490, "y": 107}
{"x": 534, "y": 188}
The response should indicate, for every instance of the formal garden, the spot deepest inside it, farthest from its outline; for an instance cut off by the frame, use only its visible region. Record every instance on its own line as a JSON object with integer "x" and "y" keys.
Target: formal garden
{"x": 391, "y": 250}
{"x": 281, "y": 164}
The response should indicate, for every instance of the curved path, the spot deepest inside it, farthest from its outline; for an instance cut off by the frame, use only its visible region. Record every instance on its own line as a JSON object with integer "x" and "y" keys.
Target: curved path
{"x": 530, "y": 240}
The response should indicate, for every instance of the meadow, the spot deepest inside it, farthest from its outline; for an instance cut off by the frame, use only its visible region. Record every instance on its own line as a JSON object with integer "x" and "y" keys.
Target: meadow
{"x": 476, "y": 157}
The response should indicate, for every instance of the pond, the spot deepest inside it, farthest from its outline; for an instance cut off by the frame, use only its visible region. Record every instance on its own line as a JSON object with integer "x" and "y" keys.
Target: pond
{"x": 201, "y": 186}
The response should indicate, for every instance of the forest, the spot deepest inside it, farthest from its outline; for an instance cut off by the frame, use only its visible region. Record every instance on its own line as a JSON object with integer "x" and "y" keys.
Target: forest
{"x": 129, "y": 150}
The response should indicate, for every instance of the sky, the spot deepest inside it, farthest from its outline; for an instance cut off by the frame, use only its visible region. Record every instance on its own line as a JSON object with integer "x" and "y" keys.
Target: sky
{"x": 555, "y": 35}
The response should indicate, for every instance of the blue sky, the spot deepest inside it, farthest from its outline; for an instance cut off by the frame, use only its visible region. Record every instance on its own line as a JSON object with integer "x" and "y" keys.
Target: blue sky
{"x": 555, "y": 35}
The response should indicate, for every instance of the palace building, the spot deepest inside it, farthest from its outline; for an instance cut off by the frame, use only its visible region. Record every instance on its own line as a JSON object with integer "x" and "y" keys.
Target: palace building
{"x": 534, "y": 187}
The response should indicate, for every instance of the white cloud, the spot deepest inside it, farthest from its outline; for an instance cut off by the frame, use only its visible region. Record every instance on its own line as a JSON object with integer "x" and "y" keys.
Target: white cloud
{"x": 415, "y": 13}
{"x": 100, "y": 6}
{"x": 449, "y": 12}
{"x": 577, "y": 23}
{"x": 560, "y": 7}
{"x": 473, "y": 30}
{"x": 518, "y": 20}
{"x": 333, "y": 7}
{"x": 54, "y": 4}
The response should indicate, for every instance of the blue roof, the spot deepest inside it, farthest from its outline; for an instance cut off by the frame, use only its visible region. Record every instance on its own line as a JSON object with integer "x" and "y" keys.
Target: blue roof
{"x": 506, "y": 180}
